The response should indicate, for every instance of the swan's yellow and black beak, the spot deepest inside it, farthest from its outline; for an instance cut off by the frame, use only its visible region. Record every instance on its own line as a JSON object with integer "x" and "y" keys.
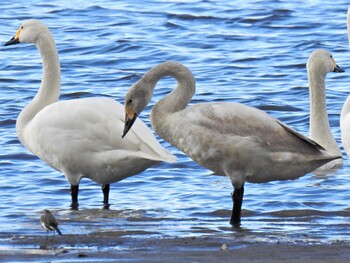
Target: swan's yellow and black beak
{"x": 15, "y": 39}
{"x": 338, "y": 69}
{"x": 130, "y": 118}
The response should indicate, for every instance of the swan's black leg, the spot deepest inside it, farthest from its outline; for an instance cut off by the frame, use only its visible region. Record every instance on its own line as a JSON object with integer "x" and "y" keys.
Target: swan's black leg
{"x": 74, "y": 190}
{"x": 105, "y": 190}
{"x": 237, "y": 198}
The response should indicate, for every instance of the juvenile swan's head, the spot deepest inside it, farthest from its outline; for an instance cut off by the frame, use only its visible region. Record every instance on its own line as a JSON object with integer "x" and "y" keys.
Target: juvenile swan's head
{"x": 135, "y": 101}
{"x": 322, "y": 62}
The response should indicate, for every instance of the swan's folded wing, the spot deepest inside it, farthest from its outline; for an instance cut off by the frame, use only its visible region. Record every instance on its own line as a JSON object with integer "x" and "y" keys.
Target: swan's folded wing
{"x": 299, "y": 135}
{"x": 238, "y": 120}
{"x": 138, "y": 132}
{"x": 87, "y": 126}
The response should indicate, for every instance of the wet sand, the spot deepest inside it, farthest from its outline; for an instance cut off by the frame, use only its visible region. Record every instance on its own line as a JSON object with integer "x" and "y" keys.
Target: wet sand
{"x": 134, "y": 247}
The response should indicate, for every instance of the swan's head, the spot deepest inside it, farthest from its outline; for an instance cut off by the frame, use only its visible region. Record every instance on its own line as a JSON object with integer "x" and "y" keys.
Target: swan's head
{"x": 322, "y": 62}
{"x": 28, "y": 32}
{"x": 135, "y": 101}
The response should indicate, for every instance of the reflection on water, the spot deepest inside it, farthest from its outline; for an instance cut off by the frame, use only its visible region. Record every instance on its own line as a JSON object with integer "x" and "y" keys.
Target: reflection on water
{"x": 254, "y": 53}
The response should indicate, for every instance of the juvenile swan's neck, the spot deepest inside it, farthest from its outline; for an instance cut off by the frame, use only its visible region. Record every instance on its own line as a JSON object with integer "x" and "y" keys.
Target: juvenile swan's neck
{"x": 176, "y": 101}
{"x": 50, "y": 85}
{"x": 320, "y": 130}
{"x": 179, "y": 98}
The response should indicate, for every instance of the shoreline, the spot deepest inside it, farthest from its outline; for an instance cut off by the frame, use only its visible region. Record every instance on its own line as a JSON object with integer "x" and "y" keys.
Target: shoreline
{"x": 115, "y": 246}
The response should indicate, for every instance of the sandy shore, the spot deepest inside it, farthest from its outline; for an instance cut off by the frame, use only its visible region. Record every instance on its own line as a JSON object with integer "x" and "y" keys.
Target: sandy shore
{"x": 116, "y": 247}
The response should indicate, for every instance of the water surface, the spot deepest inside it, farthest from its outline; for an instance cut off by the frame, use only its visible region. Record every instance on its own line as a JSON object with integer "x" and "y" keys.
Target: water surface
{"x": 253, "y": 53}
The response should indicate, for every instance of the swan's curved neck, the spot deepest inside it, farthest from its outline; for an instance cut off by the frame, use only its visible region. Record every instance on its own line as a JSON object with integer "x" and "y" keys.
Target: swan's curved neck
{"x": 179, "y": 98}
{"x": 320, "y": 130}
{"x": 51, "y": 81}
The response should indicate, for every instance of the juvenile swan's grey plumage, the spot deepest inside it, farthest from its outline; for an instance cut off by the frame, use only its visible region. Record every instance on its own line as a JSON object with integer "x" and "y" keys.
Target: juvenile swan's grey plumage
{"x": 232, "y": 139}
{"x": 80, "y": 137}
{"x": 318, "y": 65}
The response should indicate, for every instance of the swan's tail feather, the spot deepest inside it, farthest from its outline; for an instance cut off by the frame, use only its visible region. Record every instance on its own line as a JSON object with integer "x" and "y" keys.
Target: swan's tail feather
{"x": 327, "y": 162}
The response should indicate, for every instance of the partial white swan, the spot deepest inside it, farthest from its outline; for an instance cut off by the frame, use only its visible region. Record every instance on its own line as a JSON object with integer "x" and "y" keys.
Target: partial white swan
{"x": 231, "y": 139}
{"x": 345, "y": 112}
{"x": 80, "y": 137}
{"x": 318, "y": 65}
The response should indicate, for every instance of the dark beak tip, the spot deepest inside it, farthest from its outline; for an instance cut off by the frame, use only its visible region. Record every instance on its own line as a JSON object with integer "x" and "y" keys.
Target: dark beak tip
{"x": 12, "y": 41}
{"x": 125, "y": 131}
{"x": 128, "y": 125}
{"x": 338, "y": 69}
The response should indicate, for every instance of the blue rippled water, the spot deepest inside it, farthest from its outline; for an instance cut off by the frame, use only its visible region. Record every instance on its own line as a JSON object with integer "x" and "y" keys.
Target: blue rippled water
{"x": 253, "y": 52}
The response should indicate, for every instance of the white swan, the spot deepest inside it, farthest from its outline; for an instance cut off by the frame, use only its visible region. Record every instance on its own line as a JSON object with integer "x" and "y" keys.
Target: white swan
{"x": 232, "y": 139}
{"x": 80, "y": 137}
{"x": 318, "y": 65}
{"x": 345, "y": 112}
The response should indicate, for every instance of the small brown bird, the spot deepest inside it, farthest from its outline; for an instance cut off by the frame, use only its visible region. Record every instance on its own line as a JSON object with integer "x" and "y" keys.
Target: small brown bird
{"x": 48, "y": 222}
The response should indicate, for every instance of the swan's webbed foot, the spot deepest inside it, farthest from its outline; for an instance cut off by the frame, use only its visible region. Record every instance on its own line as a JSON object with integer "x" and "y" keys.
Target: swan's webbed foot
{"x": 105, "y": 190}
{"x": 74, "y": 190}
{"x": 237, "y": 198}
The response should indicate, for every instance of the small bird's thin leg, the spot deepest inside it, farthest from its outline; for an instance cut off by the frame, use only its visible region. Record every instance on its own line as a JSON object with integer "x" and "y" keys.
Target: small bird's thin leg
{"x": 237, "y": 198}
{"x": 105, "y": 190}
{"x": 74, "y": 190}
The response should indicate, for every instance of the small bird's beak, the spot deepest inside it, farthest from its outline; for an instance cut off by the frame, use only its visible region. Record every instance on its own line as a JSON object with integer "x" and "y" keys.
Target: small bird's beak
{"x": 130, "y": 118}
{"x": 12, "y": 41}
{"x": 338, "y": 69}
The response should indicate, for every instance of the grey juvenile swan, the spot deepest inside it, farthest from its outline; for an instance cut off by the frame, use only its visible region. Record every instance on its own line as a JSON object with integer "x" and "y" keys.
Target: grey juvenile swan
{"x": 80, "y": 137}
{"x": 319, "y": 64}
{"x": 231, "y": 139}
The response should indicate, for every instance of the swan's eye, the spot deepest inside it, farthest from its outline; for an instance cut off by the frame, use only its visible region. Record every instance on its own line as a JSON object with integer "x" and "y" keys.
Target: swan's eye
{"x": 331, "y": 56}
{"x": 130, "y": 100}
{"x": 21, "y": 27}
